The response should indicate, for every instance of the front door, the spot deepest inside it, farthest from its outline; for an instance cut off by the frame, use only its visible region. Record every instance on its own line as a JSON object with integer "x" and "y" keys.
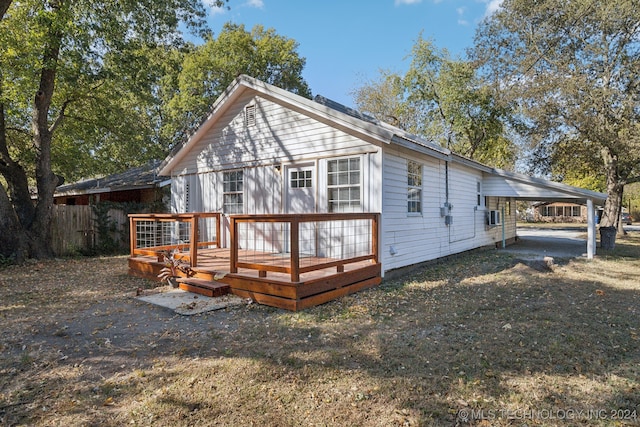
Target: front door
{"x": 301, "y": 186}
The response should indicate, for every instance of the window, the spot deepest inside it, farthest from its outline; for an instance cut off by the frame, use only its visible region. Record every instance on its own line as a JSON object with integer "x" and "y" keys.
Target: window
{"x": 232, "y": 192}
{"x": 343, "y": 185}
{"x": 414, "y": 187}
{"x": 479, "y": 193}
{"x": 249, "y": 115}
{"x": 301, "y": 179}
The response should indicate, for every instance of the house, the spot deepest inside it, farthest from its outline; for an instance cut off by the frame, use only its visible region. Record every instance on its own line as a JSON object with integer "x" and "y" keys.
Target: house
{"x": 265, "y": 151}
{"x": 559, "y": 212}
{"x": 139, "y": 185}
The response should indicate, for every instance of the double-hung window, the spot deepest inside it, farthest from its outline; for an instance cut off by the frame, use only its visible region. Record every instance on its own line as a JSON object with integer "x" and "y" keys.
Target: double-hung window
{"x": 233, "y": 192}
{"x": 414, "y": 187}
{"x": 343, "y": 185}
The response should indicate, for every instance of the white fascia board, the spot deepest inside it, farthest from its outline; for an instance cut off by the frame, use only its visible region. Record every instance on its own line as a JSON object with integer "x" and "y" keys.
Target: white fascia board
{"x": 568, "y": 190}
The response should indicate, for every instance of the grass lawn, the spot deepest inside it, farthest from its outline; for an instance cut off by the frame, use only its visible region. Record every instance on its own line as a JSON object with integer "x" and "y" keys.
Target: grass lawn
{"x": 484, "y": 339}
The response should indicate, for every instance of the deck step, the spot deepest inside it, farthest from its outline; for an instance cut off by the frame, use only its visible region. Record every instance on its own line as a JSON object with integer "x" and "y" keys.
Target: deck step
{"x": 204, "y": 287}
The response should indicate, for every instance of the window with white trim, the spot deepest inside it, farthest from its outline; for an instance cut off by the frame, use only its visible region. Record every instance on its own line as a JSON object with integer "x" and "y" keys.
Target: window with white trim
{"x": 479, "y": 193}
{"x": 414, "y": 187}
{"x": 232, "y": 192}
{"x": 301, "y": 179}
{"x": 343, "y": 185}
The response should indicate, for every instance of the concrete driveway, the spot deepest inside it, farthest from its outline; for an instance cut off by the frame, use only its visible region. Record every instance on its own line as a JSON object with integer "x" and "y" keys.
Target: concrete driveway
{"x": 557, "y": 243}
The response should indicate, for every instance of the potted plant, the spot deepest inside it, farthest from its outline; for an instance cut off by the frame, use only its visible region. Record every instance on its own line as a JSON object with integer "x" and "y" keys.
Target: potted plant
{"x": 172, "y": 264}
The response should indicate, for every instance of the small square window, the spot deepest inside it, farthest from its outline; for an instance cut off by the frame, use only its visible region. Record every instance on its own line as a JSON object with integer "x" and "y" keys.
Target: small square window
{"x": 301, "y": 179}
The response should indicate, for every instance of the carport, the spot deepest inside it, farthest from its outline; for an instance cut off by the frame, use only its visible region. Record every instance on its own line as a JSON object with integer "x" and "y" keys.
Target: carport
{"x": 500, "y": 183}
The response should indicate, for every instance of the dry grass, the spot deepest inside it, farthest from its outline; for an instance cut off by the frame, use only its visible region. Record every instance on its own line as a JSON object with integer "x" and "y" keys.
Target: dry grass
{"x": 484, "y": 336}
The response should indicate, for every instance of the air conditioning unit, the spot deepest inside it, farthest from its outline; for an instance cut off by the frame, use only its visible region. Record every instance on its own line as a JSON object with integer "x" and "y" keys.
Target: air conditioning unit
{"x": 493, "y": 217}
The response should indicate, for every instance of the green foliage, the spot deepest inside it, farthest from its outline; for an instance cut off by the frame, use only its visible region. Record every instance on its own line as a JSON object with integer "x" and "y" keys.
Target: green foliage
{"x": 106, "y": 229}
{"x": 6, "y": 261}
{"x": 105, "y": 110}
{"x": 109, "y": 239}
{"x": 206, "y": 70}
{"x": 571, "y": 69}
{"x": 444, "y": 100}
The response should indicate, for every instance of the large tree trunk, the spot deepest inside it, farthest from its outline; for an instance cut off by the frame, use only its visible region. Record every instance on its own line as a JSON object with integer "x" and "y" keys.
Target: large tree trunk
{"x": 14, "y": 242}
{"x": 4, "y": 5}
{"x": 615, "y": 189}
{"x": 26, "y": 229}
{"x": 39, "y": 230}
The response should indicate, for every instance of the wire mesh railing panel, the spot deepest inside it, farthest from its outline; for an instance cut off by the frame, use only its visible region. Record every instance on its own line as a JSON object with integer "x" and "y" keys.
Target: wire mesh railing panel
{"x": 319, "y": 242}
{"x": 151, "y": 234}
{"x": 207, "y": 230}
{"x": 264, "y": 243}
{"x": 344, "y": 239}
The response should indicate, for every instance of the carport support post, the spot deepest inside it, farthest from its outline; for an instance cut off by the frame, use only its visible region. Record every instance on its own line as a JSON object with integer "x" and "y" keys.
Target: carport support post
{"x": 591, "y": 229}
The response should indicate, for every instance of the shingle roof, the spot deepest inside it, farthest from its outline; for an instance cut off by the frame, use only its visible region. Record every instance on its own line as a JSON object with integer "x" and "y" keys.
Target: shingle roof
{"x": 135, "y": 178}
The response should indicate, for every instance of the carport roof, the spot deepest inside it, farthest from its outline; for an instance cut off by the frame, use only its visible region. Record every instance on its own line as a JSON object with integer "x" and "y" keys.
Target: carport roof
{"x": 502, "y": 183}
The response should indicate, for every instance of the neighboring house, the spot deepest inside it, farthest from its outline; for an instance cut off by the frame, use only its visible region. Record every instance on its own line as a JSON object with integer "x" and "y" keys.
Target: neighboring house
{"x": 560, "y": 212}
{"x": 264, "y": 150}
{"x": 139, "y": 185}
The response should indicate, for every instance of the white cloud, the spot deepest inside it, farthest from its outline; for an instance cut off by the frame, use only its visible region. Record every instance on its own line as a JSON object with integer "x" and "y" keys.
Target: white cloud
{"x": 258, "y": 4}
{"x": 492, "y": 7}
{"x": 400, "y": 2}
{"x": 461, "y": 10}
{"x": 214, "y": 10}
{"x": 463, "y": 22}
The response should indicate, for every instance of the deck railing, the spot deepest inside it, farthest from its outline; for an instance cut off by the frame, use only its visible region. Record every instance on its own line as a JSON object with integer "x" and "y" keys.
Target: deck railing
{"x": 152, "y": 234}
{"x": 299, "y": 243}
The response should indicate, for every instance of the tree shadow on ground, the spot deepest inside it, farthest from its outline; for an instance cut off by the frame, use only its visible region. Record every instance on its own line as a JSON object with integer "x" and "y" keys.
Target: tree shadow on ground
{"x": 482, "y": 333}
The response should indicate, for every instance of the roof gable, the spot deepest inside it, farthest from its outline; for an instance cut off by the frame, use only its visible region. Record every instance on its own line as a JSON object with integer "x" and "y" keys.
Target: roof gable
{"x": 331, "y": 112}
{"x": 367, "y": 128}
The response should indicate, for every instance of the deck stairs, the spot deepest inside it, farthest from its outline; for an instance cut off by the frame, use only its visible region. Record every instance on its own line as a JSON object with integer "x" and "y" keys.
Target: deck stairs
{"x": 204, "y": 287}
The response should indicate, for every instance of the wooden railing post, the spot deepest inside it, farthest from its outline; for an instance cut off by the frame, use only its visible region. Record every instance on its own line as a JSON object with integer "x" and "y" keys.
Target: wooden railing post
{"x": 132, "y": 236}
{"x": 375, "y": 244}
{"x": 233, "y": 259}
{"x": 295, "y": 249}
{"x": 193, "y": 241}
{"x": 218, "y": 218}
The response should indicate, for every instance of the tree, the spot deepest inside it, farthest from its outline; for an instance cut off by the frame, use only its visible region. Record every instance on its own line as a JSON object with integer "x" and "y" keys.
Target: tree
{"x": 571, "y": 68}
{"x": 56, "y": 58}
{"x": 207, "y": 70}
{"x": 443, "y": 100}
{"x": 4, "y": 6}
{"x": 385, "y": 99}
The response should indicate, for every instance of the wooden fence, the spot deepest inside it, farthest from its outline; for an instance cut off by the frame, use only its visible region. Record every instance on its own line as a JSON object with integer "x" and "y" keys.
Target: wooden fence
{"x": 74, "y": 229}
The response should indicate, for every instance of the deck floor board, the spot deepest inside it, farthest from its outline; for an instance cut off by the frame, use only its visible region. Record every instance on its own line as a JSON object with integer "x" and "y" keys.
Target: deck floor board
{"x": 276, "y": 288}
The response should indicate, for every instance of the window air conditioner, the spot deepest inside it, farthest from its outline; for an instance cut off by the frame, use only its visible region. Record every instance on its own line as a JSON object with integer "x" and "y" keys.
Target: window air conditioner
{"x": 493, "y": 217}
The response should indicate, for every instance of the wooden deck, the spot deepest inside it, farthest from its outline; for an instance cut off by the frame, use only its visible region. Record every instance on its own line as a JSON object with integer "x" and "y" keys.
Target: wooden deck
{"x": 275, "y": 289}
{"x": 293, "y": 279}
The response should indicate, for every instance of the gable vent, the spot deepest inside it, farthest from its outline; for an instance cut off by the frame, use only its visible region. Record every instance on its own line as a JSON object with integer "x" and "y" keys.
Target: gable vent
{"x": 250, "y": 115}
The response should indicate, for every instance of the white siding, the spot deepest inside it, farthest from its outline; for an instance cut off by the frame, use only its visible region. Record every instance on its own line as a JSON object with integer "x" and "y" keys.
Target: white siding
{"x": 414, "y": 238}
{"x": 418, "y": 238}
{"x": 280, "y": 135}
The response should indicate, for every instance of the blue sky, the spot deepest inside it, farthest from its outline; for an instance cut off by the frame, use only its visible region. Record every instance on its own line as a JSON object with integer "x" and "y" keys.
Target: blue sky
{"x": 346, "y": 42}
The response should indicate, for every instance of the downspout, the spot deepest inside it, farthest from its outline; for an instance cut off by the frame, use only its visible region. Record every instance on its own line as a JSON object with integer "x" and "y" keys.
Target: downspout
{"x": 504, "y": 244}
{"x": 446, "y": 182}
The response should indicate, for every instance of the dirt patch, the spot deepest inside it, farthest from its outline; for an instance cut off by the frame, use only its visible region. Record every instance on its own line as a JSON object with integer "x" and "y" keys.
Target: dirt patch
{"x": 485, "y": 339}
